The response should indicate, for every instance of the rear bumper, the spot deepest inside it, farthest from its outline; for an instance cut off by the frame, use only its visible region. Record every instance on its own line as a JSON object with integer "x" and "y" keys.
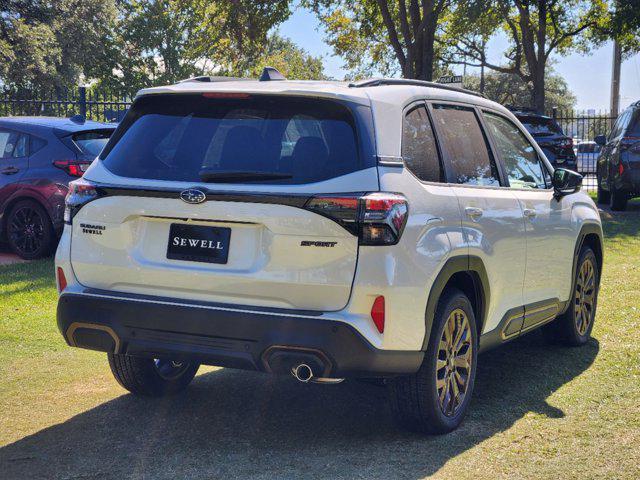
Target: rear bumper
{"x": 270, "y": 340}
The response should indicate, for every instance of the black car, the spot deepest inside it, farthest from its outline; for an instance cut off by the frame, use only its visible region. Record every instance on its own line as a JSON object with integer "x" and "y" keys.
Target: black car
{"x": 557, "y": 147}
{"x": 618, "y": 167}
{"x": 39, "y": 156}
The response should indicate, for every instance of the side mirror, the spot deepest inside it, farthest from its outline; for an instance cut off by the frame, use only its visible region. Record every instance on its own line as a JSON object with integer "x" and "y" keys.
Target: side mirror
{"x": 566, "y": 182}
{"x": 600, "y": 140}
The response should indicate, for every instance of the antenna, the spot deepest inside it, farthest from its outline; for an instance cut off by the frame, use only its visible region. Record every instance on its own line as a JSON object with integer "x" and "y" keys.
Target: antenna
{"x": 270, "y": 74}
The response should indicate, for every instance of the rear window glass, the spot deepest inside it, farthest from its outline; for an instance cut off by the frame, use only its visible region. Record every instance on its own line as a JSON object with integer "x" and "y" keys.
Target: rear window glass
{"x": 541, "y": 126}
{"x": 259, "y": 139}
{"x": 588, "y": 147}
{"x": 92, "y": 143}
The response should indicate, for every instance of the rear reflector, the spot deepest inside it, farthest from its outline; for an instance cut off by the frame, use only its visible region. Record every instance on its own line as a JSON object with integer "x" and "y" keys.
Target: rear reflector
{"x": 62, "y": 280}
{"x": 377, "y": 313}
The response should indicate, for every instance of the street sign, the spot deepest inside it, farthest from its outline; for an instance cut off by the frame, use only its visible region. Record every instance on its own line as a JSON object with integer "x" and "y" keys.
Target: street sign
{"x": 451, "y": 79}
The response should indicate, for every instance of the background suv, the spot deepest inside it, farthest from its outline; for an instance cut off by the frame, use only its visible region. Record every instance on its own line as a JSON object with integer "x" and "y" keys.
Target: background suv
{"x": 618, "y": 167}
{"x": 383, "y": 228}
{"x": 557, "y": 147}
{"x": 38, "y": 158}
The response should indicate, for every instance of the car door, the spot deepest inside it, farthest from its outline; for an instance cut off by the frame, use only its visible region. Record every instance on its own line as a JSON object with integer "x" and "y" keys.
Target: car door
{"x": 14, "y": 161}
{"x": 492, "y": 220}
{"x": 609, "y": 157}
{"x": 549, "y": 232}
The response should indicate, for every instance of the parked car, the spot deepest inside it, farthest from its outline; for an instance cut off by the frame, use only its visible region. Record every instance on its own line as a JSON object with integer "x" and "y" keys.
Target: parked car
{"x": 557, "y": 147}
{"x": 387, "y": 243}
{"x": 39, "y": 156}
{"x": 587, "y": 157}
{"x": 618, "y": 166}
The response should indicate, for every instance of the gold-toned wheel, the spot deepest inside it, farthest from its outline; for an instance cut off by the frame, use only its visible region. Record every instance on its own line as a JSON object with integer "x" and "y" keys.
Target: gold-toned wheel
{"x": 585, "y": 296}
{"x": 454, "y": 363}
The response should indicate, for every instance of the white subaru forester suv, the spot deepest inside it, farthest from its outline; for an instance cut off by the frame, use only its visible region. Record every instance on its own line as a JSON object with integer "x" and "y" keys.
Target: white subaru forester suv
{"x": 381, "y": 229}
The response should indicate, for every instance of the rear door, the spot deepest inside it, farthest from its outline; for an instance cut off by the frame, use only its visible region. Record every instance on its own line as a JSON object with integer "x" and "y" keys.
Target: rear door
{"x": 204, "y": 199}
{"x": 14, "y": 161}
{"x": 492, "y": 220}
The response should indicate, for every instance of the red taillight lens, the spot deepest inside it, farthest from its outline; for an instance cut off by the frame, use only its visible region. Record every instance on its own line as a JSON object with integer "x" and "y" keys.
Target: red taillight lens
{"x": 620, "y": 168}
{"x": 62, "y": 280}
{"x": 377, "y": 313}
{"x": 72, "y": 167}
{"x": 377, "y": 218}
{"x": 80, "y": 193}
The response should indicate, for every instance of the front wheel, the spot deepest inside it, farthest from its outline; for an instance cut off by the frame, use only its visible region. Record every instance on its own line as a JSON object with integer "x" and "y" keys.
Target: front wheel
{"x": 435, "y": 399}
{"x": 603, "y": 195}
{"x": 574, "y": 327}
{"x": 151, "y": 377}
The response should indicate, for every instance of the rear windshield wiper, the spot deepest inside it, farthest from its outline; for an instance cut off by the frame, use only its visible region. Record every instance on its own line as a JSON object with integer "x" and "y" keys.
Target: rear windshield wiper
{"x": 222, "y": 176}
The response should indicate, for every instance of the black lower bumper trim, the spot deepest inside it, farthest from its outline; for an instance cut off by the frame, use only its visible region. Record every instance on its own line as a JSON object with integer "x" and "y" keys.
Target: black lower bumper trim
{"x": 241, "y": 338}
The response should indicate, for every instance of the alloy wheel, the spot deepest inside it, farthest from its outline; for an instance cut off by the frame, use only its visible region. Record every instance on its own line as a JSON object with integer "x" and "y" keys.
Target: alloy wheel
{"x": 27, "y": 230}
{"x": 585, "y": 295}
{"x": 454, "y": 362}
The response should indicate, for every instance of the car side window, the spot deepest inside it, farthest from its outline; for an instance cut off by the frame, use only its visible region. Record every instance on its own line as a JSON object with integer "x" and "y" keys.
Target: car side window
{"x": 520, "y": 159}
{"x": 465, "y": 145}
{"x": 618, "y": 127}
{"x": 419, "y": 149}
{"x": 22, "y": 146}
{"x": 12, "y": 144}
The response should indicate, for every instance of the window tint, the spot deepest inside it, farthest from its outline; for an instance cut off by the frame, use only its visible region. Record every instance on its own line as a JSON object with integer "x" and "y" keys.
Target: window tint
{"x": 464, "y": 143}
{"x": 92, "y": 143}
{"x": 634, "y": 125}
{"x": 619, "y": 126}
{"x": 36, "y": 144}
{"x": 13, "y": 144}
{"x": 541, "y": 126}
{"x": 419, "y": 149}
{"x": 191, "y": 137}
{"x": 520, "y": 160}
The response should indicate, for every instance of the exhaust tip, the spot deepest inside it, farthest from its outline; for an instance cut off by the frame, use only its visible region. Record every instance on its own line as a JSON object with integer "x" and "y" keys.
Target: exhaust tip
{"x": 302, "y": 373}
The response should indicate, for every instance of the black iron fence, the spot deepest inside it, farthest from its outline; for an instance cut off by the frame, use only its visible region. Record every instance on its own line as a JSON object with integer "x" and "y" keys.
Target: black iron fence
{"x": 99, "y": 106}
{"x": 583, "y": 127}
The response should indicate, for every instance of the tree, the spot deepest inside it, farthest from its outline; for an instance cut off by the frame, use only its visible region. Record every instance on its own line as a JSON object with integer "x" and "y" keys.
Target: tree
{"x": 53, "y": 44}
{"x": 292, "y": 61}
{"x": 508, "y": 89}
{"x": 384, "y": 35}
{"x": 537, "y": 29}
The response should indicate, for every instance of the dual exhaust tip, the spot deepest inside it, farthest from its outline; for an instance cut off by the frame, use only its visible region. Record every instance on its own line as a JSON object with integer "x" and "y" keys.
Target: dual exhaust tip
{"x": 304, "y": 373}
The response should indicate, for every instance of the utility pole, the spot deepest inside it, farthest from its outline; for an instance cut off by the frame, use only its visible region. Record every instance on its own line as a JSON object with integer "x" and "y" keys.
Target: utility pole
{"x": 615, "y": 80}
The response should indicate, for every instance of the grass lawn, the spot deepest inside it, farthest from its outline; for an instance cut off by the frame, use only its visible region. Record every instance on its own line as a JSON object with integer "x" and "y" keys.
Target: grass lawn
{"x": 539, "y": 411}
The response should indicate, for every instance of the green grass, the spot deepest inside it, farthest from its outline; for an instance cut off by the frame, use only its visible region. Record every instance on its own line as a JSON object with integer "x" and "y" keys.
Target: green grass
{"x": 539, "y": 411}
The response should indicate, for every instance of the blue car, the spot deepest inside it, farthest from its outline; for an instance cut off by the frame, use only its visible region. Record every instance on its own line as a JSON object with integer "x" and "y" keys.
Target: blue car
{"x": 39, "y": 156}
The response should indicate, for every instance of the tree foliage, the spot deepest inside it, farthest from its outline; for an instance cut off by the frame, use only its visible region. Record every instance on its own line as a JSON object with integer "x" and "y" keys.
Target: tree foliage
{"x": 510, "y": 89}
{"x": 385, "y": 36}
{"x": 536, "y": 30}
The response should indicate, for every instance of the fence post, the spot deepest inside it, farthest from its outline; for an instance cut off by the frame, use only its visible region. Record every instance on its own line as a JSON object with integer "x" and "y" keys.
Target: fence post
{"x": 82, "y": 101}
{"x": 554, "y": 112}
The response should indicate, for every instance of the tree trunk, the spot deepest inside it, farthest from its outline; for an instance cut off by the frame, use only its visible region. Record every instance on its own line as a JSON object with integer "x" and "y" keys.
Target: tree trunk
{"x": 538, "y": 95}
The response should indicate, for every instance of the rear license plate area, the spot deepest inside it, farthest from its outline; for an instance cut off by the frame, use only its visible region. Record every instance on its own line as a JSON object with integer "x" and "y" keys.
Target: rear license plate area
{"x": 198, "y": 243}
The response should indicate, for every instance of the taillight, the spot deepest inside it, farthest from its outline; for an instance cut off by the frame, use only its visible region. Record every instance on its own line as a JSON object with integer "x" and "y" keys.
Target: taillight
{"x": 620, "y": 168}
{"x": 72, "y": 167}
{"x": 62, "y": 280}
{"x": 377, "y": 218}
{"x": 377, "y": 313}
{"x": 80, "y": 193}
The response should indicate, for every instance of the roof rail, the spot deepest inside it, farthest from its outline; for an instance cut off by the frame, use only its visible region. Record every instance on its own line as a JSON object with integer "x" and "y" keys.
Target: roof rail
{"x": 376, "y": 82}
{"x": 213, "y": 79}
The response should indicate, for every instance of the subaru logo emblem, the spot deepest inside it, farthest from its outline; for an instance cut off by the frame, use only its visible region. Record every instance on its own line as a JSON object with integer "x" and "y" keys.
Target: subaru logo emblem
{"x": 193, "y": 196}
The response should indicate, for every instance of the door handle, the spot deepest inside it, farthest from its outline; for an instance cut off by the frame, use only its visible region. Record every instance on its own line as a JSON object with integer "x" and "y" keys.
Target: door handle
{"x": 9, "y": 170}
{"x": 474, "y": 212}
{"x": 530, "y": 213}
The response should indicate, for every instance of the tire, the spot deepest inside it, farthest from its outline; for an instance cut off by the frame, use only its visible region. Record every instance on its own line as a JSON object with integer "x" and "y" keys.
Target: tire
{"x": 570, "y": 328}
{"x": 148, "y": 377}
{"x": 603, "y": 195}
{"x": 415, "y": 399}
{"x": 618, "y": 200}
{"x": 29, "y": 230}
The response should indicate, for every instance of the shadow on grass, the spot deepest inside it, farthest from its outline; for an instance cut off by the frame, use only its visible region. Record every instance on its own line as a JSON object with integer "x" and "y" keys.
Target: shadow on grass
{"x": 232, "y": 424}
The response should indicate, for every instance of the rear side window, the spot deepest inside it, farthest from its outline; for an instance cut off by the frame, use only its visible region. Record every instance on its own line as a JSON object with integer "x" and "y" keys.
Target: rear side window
{"x": 92, "y": 143}
{"x": 13, "y": 144}
{"x": 419, "y": 149}
{"x": 253, "y": 139}
{"x": 463, "y": 141}
{"x": 541, "y": 126}
{"x": 520, "y": 160}
{"x": 634, "y": 125}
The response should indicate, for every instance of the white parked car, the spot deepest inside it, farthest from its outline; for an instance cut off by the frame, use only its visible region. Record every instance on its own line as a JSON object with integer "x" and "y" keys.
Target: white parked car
{"x": 587, "y": 157}
{"x": 384, "y": 228}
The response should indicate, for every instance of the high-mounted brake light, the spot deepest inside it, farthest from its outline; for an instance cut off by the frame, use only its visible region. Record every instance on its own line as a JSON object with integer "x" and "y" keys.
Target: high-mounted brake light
{"x": 72, "y": 167}
{"x": 377, "y": 313}
{"x": 225, "y": 95}
{"x": 377, "y": 218}
{"x": 80, "y": 193}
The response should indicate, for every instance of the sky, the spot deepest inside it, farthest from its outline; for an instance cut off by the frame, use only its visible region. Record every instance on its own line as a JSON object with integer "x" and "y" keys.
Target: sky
{"x": 588, "y": 76}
